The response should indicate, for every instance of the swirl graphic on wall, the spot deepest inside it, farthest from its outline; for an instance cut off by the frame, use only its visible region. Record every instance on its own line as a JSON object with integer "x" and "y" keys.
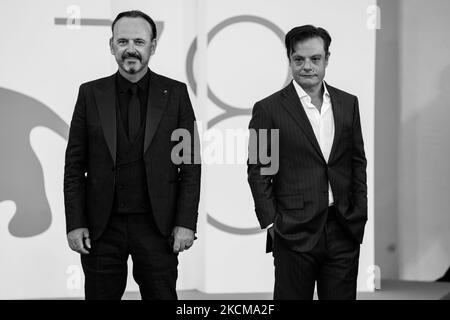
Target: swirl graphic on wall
{"x": 229, "y": 111}
{"x": 22, "y": 177}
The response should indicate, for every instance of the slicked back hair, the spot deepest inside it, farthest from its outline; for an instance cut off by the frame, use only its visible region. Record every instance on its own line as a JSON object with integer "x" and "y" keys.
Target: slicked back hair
{"x": 302, "y": 33}
{"x": 136, "y": 14}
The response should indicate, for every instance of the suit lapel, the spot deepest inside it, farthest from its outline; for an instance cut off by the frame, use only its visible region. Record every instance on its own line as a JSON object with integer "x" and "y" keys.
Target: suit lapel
{"x": 105, "y": 96}
{"x": 294, "y": 106}
{"x": 336, "y": 104}
{"x": 156, "y": 104}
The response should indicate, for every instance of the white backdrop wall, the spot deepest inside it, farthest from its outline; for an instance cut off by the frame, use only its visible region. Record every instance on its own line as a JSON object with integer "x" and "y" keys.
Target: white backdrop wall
{"x": 386, "y": 142}
{"x": 413, "y": 242}
{"x": 240, "y": 58}
{"x": 423, "y": 177}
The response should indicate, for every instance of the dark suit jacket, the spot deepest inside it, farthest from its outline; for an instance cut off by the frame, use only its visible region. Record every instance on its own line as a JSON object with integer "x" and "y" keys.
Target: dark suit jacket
{"x": 296, "y": 197}
{"x": 89, "y": 177}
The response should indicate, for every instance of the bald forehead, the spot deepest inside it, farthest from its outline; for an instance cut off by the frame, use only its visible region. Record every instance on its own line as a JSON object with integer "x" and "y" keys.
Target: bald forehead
{"x": 131, "y": 28}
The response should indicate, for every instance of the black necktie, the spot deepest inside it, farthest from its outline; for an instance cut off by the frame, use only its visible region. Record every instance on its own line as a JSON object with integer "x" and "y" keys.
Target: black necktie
{"x": 134, "y": 114}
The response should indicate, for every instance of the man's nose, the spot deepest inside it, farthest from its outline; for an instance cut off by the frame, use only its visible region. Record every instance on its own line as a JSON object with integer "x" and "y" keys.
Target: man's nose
{"x": 307, "y": 65}
{"x": 130, "y": 46}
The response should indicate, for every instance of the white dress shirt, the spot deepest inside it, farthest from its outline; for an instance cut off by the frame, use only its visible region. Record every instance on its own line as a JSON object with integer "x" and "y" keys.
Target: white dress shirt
{"x": 322, "y": 123}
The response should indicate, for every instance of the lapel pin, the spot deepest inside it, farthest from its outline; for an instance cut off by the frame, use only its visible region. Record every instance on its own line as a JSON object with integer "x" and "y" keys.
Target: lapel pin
{"x": 165, "y": 91}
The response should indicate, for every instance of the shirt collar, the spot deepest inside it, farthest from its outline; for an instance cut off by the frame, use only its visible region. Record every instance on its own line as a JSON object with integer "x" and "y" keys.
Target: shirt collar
{"x": 304, "y": 96}
{"x": 123, "y": 84}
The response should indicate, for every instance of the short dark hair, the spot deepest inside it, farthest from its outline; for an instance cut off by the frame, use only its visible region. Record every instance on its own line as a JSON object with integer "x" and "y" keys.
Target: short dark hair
{"x": 136, "y": 14}
{"x": 306, "y": 32}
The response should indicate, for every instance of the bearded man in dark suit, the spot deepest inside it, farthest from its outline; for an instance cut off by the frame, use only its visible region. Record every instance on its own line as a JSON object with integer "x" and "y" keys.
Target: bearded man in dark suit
{"x": 124, "y": 193}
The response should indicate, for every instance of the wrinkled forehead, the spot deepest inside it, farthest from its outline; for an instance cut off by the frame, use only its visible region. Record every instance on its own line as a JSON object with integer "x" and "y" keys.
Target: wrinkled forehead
{"x": 309, "y": 47}
{"x": 132, "y": 28}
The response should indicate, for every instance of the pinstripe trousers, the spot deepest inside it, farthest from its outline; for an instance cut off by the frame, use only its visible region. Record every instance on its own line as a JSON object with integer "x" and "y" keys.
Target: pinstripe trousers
{"x": 332, "y": 263}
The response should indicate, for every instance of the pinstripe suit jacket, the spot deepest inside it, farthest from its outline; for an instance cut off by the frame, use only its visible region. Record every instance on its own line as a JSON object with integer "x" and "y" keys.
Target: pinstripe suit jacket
{"x": 295, "y": 198}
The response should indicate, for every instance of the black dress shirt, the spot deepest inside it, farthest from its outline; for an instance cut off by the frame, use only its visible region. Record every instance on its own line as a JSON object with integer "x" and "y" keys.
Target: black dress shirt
{"x": 124, "y": 95}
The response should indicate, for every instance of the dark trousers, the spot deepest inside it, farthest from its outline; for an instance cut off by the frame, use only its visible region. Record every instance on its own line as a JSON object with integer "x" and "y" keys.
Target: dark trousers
{"x": 332, "y": 263}
{"x": 154, "y": 263}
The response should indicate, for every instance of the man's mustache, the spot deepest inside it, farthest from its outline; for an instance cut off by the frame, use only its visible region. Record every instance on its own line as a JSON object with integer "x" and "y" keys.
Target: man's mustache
{"x": 135, "y": 55}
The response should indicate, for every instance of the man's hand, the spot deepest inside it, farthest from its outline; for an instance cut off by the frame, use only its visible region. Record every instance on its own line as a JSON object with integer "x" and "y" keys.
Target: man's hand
{"x": 79, "y": 240}
{"x": 183, "y": 238}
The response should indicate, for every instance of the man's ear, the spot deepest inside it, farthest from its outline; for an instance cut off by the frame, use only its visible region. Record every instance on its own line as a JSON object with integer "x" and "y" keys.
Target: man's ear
{"x": 153, "y": 47}
{"x": 111, "y": 47}
{"x": 327, "y": 56}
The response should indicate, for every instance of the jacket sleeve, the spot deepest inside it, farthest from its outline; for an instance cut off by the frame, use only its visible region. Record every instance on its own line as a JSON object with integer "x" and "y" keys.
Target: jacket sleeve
{"x": 189, "y": 171}
{"x": 261, "y": 183}
{"x": 76, "y": 167}
{"x": 359, "y": 164}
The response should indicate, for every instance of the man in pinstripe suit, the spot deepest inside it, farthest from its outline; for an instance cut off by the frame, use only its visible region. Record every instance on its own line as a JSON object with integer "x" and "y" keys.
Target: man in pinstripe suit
{"x": 317, "y": 200}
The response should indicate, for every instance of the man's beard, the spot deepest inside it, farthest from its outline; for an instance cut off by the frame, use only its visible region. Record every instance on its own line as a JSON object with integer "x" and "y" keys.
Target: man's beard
{"x": 133, "y": 69}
